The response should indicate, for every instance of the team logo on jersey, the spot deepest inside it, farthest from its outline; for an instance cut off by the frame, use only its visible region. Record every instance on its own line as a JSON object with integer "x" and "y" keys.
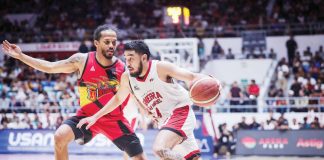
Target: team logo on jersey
{"x": 152, "y": 79}
{"x": 136, "y": 88}
{"x": 151, "y": 100}
{"x": 102, "y": 87}
{"x": 92, "y": 69}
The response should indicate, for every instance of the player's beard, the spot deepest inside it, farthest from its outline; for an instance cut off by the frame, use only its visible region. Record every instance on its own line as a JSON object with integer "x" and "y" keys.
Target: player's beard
{"x": 107, "y": 55}
{"x": 138, "y": 73}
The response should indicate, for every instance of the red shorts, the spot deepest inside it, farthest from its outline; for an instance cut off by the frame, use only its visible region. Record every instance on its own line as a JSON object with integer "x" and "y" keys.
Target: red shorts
{"x": 118, "y": 130}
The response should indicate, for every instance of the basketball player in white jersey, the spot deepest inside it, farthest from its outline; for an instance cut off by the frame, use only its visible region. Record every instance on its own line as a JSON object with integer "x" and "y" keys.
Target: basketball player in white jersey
{"x": 168, "y": 103}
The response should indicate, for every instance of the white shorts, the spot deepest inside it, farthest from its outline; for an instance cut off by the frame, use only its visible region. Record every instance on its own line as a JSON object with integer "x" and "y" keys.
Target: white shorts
{"x": 183, "y": 122}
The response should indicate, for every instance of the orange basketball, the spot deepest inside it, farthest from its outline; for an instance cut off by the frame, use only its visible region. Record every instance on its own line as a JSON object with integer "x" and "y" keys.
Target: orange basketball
{"x": 205, "y": 91}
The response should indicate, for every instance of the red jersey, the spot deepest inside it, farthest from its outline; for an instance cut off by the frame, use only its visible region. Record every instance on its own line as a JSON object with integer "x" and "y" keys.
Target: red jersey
{"x": 98, "y": 84}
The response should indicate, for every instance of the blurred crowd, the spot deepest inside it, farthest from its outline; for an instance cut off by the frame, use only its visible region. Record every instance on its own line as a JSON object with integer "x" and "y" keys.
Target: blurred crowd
{"x": 69, "y": 20}
{"x": 26, "y": 120}
{"x": 302, "y": 76}
{"x": 25, "y": 89}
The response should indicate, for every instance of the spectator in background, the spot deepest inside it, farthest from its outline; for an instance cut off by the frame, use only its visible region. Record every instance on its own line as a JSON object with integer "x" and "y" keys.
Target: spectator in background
{"x": 4, "y": 120}
{"x": 217, "y": 51}
{"x": 254, "y": 125}
{"x": 282, "y": 123}
{"x": 36, "y": 121}
{"x": 5, "y": 101}
{"x": 26, "y": 117}
{"x": 236, "y": 96}
{"x": 59, "y": 121}
{"x": 253, "y": 91}
{"x": 120, "y": 49}
{"x": 83, "y": 47}
{"x": 272, "y": 54}
{"x": 13, "y": 124}
{"x": 283, "y": 75}
{"x": 230, "y": 55}
{"x": 294, "y": 125}
{"x": 292, "y": 46}
{"x": 201, "y": 49}
{"x": 281, "y": 102}
{"x": 261, "y": 54}
{"x": 243, "y": 124}
{"x": 225, "y": 144}
{"x": 315, "y": 124}
{"x": 296, "y": 88}
{"x": 251, "y": 54}
{"x": 269, "y": 125}
{"x": 271, "y": 118}
{"x": 321, "y": 51}
{"x": 305, "y": 124}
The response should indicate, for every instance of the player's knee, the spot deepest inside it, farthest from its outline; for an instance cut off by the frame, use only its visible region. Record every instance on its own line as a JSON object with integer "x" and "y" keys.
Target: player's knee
{"x": 60, "y": 139}
{"x": 159, "y": 150}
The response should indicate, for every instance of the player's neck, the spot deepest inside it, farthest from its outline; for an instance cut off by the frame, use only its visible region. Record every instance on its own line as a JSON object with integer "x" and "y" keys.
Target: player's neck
{"x": 145, "y": 69}
{"x": 103, "y": 61}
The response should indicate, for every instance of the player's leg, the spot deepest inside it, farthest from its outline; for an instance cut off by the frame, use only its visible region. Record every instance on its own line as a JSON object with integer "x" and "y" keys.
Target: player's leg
{"x": 134, "y": 123}
{"x": 68, "y": 132}
{"x": 63, "y": 136}
{"x": 122, "y": 135}
{"x": 176, "y": 133}
{"x": 165, "y": 142}
{"x": 188, "y": 148}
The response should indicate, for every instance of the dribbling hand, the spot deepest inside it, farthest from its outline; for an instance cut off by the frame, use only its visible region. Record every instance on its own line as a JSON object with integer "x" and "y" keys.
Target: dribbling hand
{"x": 88, "y": 120}
{"x": 11, "y": 49}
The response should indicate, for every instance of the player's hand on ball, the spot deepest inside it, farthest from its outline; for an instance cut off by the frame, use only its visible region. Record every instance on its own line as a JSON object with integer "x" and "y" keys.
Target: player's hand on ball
{"x": 89, "y": 121}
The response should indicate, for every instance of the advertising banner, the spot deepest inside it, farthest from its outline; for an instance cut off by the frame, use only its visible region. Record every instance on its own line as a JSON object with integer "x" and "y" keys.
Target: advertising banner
{"x": 297, "y": 142}
{"x": 42, "y": 141}
{"x": 205, "y": 141}
{"x": 50, "y": 47}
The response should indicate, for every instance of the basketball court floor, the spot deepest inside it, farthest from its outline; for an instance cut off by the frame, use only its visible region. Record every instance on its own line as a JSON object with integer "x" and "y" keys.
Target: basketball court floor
{"x": 150, "y": 157}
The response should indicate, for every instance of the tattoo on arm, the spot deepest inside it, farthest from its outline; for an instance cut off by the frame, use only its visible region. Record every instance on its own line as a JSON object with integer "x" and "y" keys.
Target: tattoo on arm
{"x": 75, "y": 59}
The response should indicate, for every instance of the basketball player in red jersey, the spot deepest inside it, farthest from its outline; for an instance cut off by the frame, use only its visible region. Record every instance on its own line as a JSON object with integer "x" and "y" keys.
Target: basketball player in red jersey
{"x": 168, "y": 103}
{"x": 99, "y": 78}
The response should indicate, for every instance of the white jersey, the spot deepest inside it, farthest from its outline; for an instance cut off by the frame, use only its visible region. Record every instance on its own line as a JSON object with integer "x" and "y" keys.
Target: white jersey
{"x": 160, "y": 98}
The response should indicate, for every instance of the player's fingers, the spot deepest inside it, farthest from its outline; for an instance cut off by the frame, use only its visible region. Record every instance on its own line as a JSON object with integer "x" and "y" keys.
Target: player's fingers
{"x": 6, "y": 42}
{"x": 5, "y": 45}
{"x": 89, "y": 125}
{"x": 13, "y": 45}
{"x": 10, "y": 45}
{"x": 81, "y": 123}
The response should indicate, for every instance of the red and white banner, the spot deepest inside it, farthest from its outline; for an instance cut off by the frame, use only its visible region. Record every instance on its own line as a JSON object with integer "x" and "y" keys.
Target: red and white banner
{"x": 50, "y": 47}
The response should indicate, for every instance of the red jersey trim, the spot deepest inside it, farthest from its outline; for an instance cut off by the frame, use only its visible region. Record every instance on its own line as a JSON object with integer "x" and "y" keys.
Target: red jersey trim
{"x": 105, "y": 67}
{"x": 193, "y": 154}
{"x": 142, "y": 79}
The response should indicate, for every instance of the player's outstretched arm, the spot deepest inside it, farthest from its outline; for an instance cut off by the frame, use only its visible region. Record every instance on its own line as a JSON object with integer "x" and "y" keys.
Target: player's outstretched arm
{"x": 64, "y": 66}
{"x": 169, "y": 69}
{"x": 113, "y": 103}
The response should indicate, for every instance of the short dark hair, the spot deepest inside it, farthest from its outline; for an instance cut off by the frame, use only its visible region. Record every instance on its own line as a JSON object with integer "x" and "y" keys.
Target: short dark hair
{"x": 99, "y": 29}
{"x": 139, "y": 47}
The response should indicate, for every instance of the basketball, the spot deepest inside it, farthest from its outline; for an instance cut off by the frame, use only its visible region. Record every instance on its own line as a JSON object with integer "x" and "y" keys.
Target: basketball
{"x": 205, "y": 91}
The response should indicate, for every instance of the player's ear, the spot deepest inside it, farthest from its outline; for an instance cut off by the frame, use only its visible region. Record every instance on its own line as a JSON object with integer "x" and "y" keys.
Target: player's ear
{"x": 144, "y": 57}
{"x": 96, "y": 43}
